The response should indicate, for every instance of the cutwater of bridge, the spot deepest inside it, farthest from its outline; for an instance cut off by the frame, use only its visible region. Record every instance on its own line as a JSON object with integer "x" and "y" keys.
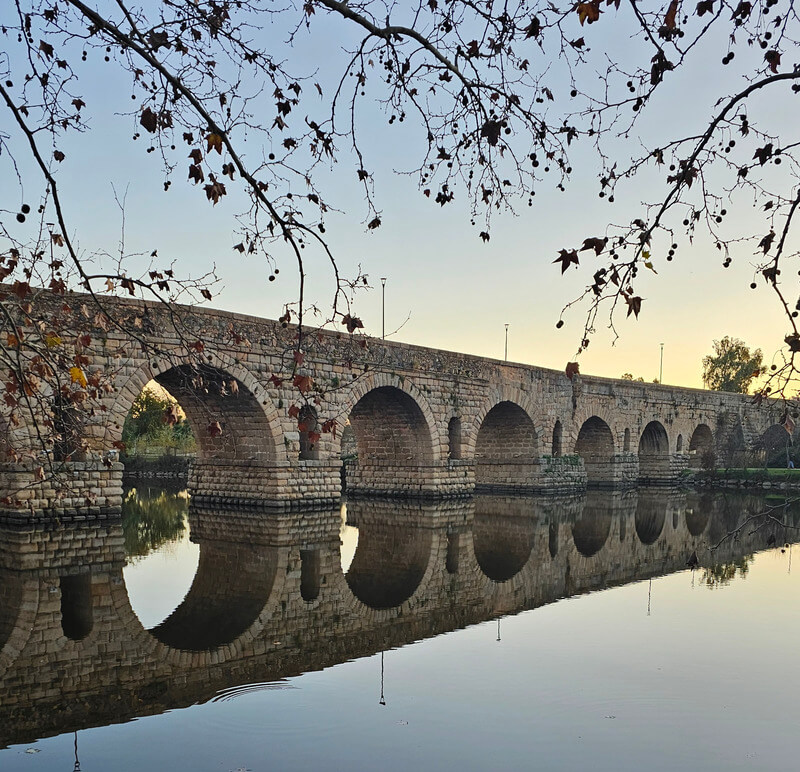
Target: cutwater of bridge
{"x": 413, "y": 421}
{"x": 73, "y": 650}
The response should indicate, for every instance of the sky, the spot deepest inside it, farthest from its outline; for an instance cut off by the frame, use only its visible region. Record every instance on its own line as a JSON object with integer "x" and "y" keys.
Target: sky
{"x": 445, "y": 288}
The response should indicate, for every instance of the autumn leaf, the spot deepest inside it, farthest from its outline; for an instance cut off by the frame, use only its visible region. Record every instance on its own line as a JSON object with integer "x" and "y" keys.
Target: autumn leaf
{"x": 12, "y": 341}
{"x": 763, "y": 154}
{"x": 669, "y": 19}
{"x": 352, "y": 323}
{"x": 634, "y": 305}
{"x": 58, "y": 155}
{"x": 303, "y": 383}
{"x": 46, "y": 49}
{"x": 374, "y": 223}
{"x": 766, "y": 243}
{"x": 172, "y": 415}
{"x": 198, "y": 346}
{"x": 704, "y": 6}
{"x": 566, "y": 259}
{"x": 196, "y": 173}
{"x": 299, "y": 357}
{"x": 77, "y": 376}
{"x": 215, "y": 191}
{"x": 597, "y": 244}
{"x": 214, "y": 429}
{"x": 572, "y": 370}
{"x": 773, "y": 59}
{"x": 294, "y": 411}
{"x": 588, "y": 11}
{"x": 214, "y": 142}
{"x": 205, "y": 293}
{"x": 149, "y": 120}
{"x": 78, "y": 104}
{"x": 533, "y": 29}
{"x": 52, "y": 340}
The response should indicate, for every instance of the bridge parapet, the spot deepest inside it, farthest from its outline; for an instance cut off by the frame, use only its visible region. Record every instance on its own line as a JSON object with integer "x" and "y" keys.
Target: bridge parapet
{"x": 423, "y": 422}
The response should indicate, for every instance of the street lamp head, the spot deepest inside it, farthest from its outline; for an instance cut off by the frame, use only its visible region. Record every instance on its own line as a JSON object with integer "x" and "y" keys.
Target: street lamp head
{"x": 383, "y": 281}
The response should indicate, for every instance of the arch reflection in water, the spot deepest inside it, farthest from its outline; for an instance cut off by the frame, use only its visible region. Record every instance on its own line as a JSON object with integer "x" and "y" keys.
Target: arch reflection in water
{"x": 392, "y": 553}
{"x": 503, "y": 535}
{"x": 651, "y": 514}
{"x": 160, "y": 559}
{"x": 67, "y": 683}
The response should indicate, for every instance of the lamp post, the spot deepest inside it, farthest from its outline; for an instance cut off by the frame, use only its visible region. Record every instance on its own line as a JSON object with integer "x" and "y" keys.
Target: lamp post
{"x": 661, "y": 366}
{"x": 383, "y": 307}
{"x": 506, "y": 348}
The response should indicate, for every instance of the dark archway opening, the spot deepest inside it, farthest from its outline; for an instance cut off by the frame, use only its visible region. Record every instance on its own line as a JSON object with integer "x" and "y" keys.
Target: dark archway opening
{"x": 595, "y": 445}
{"x": 393, "y": 441}
{"x": 654, "y": 461}
{"x": 507, "y": 449}
{"x": 454, "y": 438}
{"x": 701, "y": 448}
{"x": 557, "y": 432}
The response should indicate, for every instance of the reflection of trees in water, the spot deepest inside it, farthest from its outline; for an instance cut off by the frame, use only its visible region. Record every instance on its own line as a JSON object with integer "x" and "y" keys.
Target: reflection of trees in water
{"x": 721, "y": 574}
{"x": 152, "y": 518}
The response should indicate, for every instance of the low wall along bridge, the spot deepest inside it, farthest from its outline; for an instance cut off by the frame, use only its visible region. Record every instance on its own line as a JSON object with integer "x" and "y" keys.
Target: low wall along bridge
{"x": 416, "y": 421}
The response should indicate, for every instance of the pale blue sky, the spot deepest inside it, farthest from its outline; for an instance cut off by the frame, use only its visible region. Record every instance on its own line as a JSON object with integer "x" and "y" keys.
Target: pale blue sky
{"x": 455, "y": 291}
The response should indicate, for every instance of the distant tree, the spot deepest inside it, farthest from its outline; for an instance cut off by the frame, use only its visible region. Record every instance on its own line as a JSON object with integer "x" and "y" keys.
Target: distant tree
{"x": 158, "y": 420}
{"x": 146, "y": 416}
{"x": 629, "y": 377}
{"x": 732, "y": 367}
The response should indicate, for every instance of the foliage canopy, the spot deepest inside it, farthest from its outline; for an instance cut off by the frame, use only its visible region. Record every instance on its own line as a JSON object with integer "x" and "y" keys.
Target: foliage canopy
{"x": 503, "y": 99}
{"x": 732, "y": 367}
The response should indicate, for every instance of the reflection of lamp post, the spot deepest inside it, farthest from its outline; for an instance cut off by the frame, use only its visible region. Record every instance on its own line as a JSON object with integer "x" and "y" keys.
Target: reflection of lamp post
{"x": 506, "y": 349}
{"x": 382, "y": 700}
{"x": 383, "y": 307}
{"x": 77, "y": 767}
{"x": 498, "y": 629}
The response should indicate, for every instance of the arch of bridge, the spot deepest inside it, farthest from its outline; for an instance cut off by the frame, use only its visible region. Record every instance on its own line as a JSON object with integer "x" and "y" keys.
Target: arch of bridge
{"x": 347, "y": 399}
{"x": 654, "y": 438}
{"x": 497, "y": 396}
{"x": 591, "y": 409}
{"x": 268, "y": 432}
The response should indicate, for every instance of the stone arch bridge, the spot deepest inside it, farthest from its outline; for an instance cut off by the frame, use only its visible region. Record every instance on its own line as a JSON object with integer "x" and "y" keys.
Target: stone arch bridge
{"x": 414, "y": 421}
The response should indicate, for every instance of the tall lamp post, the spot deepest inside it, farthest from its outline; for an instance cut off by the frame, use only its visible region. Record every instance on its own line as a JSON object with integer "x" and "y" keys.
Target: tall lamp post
{"x": 383, "y": 307}
{"x": 506, "y": 348}
{"x": 661, "y": 366}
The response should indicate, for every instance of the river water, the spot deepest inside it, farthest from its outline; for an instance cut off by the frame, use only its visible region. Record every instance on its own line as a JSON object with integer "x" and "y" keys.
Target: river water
{"x": 552, "y": 633}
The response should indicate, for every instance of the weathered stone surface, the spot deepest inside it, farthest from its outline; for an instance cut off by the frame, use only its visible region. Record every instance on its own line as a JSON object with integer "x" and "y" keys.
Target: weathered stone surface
{"x": 421, "y": 422}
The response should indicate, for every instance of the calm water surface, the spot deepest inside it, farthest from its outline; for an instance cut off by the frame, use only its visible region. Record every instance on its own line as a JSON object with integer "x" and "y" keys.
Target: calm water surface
{"x": 498, "y": 633}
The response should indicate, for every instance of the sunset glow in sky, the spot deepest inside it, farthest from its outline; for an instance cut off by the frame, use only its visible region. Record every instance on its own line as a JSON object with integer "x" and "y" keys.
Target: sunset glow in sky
{"x": 445, "y": 288}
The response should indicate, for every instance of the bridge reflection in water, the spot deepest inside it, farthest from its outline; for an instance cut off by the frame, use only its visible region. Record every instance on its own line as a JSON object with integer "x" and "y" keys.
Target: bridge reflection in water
{"x": 270, "y": 599}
